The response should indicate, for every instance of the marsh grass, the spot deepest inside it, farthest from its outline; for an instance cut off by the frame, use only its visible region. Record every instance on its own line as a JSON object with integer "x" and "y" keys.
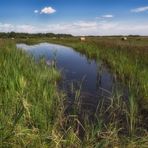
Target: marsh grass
{"x": 34, "y": 111}
{"x": 115, "y": 124}
{"x": 28, "y": 98}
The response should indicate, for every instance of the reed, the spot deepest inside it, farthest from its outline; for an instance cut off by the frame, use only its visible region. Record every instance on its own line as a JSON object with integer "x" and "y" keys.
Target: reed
{"x": 28, "y": 98}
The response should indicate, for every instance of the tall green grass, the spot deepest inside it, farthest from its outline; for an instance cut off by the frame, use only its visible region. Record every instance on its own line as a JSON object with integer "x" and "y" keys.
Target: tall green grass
{"x": 115, "y": 125}
{"x": 28, "y": 98}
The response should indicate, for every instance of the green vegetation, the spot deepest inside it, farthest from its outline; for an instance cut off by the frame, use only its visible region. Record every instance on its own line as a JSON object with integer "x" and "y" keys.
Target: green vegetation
{"x": 128, "y": 59}
{"x": 26, "y": 35}
{"x": 33, "y": 109}
{"x": 28, "y": 98}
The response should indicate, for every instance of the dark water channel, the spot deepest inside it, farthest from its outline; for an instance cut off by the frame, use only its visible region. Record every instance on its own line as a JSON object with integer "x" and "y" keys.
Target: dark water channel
{"x": 77, "y": 69}
{"x": 96, "y": 81}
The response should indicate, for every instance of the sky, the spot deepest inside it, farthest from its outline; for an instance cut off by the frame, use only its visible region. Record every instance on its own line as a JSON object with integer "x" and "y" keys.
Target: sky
{"x": 76, "y": 17}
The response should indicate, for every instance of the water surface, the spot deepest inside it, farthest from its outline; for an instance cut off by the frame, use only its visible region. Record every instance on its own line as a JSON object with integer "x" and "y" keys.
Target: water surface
{"x": 76, "y": 68}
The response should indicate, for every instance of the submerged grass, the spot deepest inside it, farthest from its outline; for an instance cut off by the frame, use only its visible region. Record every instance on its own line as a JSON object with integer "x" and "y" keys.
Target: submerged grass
{"x": 33, "y": 111}
{"x": 115, "y": 124}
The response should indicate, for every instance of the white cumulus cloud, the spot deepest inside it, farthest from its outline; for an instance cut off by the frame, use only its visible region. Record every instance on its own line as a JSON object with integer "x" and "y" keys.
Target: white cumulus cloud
{"x": 140, "y": 9}
{"x": 48, "y": 10}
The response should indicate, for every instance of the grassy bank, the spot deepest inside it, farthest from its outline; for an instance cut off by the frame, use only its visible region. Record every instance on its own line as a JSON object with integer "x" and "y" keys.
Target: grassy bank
{"x": 33, "y": 111}
{"x": 28, "y": 98}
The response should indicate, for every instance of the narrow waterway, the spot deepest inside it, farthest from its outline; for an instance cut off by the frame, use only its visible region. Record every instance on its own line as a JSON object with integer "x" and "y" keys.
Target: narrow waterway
{"x": 89, "y": 75}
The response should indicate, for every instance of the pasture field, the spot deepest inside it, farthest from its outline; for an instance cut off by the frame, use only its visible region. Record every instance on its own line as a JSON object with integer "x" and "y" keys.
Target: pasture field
{"x": 32, "y": 108}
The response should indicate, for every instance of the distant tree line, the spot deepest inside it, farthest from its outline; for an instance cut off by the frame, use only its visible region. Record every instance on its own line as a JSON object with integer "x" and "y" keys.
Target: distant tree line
{"x": 50, "y": 35}
{"x": 28, "y": 35}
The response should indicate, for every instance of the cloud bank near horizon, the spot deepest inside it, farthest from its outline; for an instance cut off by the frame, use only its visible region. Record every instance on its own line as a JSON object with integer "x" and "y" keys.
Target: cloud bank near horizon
{"x": 82, "y": 28}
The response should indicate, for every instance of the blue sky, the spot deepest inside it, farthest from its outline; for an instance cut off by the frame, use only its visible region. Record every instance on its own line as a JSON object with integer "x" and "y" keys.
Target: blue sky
{"x": 77, "y": 17}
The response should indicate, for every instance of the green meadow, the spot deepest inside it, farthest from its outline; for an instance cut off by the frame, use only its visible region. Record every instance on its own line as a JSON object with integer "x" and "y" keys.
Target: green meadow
{"x": 32, "y": 108}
